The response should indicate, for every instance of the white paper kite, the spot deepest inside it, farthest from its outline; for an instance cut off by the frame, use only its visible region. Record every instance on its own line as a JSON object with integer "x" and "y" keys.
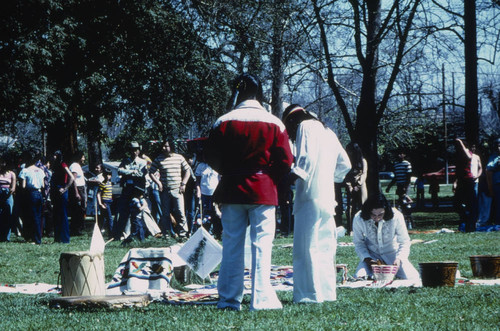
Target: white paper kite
{"x": 97, "y": 243}
{"x": 202, "y": 253}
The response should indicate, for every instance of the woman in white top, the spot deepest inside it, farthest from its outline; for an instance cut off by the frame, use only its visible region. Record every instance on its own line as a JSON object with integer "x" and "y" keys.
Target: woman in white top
{"x": 380, "y": 234}
{"x": 78, "y": 195}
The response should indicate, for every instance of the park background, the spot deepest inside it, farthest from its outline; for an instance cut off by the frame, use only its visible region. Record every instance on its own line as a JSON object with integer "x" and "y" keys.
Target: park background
{"x": 462, "y": 307}
{"x": 412, "y": 74}
{"x": 94, "y": 75}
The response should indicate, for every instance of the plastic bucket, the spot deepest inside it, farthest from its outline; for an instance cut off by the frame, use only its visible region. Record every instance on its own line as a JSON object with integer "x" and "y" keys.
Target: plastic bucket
{"x": 435, "y": 274}
{"x": 485, "y": 266}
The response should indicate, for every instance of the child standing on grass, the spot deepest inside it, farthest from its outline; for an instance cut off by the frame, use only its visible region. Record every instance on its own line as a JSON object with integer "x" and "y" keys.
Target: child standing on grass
{"x": 143, "y": 223}
{"x": 137, "y": 206}
{"x": 105, "y": 199}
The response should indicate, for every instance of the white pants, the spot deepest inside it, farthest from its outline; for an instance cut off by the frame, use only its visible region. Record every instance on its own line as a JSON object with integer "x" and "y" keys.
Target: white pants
{"x": 235, "y": 218}
{"x": 314, "y": 250}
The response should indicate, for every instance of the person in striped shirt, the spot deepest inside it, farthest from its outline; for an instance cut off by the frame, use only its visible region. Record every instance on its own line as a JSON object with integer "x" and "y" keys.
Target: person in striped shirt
{"x": 402, "y": 176}
{"x": 105, "y": 199}
{"x": 174, "y": 174}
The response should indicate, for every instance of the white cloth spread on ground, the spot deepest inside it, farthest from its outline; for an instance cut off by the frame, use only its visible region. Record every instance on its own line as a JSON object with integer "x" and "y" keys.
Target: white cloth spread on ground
{"x": 281, "y": 279}
{"x": 145, "y": 270}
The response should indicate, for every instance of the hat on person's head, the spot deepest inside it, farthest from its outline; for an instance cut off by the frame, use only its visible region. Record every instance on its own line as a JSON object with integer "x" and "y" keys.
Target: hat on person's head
{"x": 134, "y": 145}
{"x": 291, "y": 109}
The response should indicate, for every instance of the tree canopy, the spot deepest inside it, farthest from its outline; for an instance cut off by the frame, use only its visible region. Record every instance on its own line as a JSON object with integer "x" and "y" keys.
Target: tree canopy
{"x": 79, "y": 66}
{"x": 115, "y": 70}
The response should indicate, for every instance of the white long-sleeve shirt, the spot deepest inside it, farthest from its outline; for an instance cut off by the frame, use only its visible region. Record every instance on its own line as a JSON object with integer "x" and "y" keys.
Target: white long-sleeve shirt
{"x": 390, "y": 240}
{"x": 320, "y": 161}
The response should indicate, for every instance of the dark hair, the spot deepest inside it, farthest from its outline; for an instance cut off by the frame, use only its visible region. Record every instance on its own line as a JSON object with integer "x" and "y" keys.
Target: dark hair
{"x": 246, "y": 87}
{"x": 355, "y": 155}
{"x": 375, "y": 201}
{"x": 58, "y": 156}
{"x": 77, "y": 156}
{"x": 30, "y": 156}
{"x": 172, "y": 143}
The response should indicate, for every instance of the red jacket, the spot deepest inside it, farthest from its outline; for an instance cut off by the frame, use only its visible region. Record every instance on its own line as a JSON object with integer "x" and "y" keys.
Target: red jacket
{"x": 249, "y": 148}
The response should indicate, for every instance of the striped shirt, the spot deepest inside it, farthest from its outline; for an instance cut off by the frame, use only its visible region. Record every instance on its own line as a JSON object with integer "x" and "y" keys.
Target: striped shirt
{"x": 106, "y": 190}
{"x": 402, "y": 170}
{"x": 171, "y": 169}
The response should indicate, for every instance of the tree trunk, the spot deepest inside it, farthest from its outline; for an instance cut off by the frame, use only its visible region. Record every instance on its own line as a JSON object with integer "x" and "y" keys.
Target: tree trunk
{"x": 61, "y": 136}
{"x": 366, "y": 113}
{"x": 94, "y": 152}
{"x": 471, "y": 91}
{"x": 277, "y": 67}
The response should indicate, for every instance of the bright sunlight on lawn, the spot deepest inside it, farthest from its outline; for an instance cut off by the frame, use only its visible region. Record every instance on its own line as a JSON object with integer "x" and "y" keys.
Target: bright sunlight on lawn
{"x": 463, "y": 307}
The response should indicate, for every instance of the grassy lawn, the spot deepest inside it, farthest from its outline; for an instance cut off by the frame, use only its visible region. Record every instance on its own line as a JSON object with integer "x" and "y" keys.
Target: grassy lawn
{"x": 463, "y": 307}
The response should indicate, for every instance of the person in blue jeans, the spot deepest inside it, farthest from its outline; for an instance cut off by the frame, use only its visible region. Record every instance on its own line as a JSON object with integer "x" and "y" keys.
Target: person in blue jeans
{"x": 7, "y": 189}
{"x": 133, "y": 171}
{"x": 32, "y": 181}
{"x": 137, "y": 205}
{"x": 62, "y": 179}
{"x": 154, "y": 197}
{"x": 493, "y": 176}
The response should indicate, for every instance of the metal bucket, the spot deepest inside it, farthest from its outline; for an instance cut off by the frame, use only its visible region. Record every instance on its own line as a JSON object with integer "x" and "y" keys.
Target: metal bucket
{"x": 436, "y": 274}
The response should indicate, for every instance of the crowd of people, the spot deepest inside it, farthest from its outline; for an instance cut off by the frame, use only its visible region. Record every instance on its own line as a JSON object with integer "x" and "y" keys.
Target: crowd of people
{"x": 246, "y": 169}
{"x": 164, "y": 197}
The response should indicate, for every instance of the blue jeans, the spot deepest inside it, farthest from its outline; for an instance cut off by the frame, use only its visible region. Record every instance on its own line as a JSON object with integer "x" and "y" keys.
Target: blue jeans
{"x": 172, "y": 202}
{"x": 137, "y": 226}
{"x": 154, "y": 197}
{"x": 6, "y": 206}
{"x": 190, "y": 204}
{"x": 496, "y": 199}
{"x": 34, "y": 223}
{"x": 107, "y": 217}
{"x": 123, "y": 213}
{"x": 61, "y": 225}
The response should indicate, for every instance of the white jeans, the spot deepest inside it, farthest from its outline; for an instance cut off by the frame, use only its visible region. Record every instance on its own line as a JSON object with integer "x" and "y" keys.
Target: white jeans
{"x": 235, "y": 218}
{"x": 314, "y": 250}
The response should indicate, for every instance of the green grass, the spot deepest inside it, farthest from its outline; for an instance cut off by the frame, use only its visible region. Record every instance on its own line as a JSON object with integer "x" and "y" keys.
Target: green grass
{"x": 463, "y": 307}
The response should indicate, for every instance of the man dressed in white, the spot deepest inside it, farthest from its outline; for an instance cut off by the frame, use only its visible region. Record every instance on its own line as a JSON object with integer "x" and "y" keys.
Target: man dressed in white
{"x": 320, "y": 161}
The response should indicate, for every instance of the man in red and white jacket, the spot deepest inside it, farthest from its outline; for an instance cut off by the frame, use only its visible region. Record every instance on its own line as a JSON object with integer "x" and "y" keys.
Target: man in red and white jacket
{"x": 249, "y": 148}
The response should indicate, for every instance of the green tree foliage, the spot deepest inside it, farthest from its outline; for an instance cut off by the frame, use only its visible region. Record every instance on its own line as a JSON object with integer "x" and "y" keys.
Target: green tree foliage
{"x": 74, "y": 65}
